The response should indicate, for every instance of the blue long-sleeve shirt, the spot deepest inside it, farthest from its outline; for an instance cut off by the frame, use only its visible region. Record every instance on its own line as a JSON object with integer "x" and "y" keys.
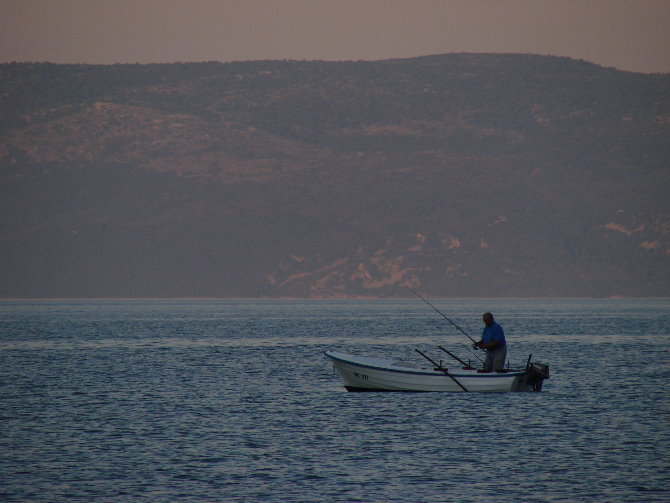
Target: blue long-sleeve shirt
{"x": 494, "y": 333}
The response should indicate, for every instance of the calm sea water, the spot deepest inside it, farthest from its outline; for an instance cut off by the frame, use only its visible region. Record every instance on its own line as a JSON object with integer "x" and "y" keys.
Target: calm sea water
{"x": 233, "y": 401}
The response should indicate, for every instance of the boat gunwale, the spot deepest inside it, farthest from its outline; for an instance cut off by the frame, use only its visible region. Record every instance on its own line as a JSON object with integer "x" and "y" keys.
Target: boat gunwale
{"x": 426, "y": 372}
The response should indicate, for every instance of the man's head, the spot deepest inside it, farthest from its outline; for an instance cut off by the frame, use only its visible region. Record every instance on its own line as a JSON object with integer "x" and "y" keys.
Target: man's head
{"x": 488, "y": 319}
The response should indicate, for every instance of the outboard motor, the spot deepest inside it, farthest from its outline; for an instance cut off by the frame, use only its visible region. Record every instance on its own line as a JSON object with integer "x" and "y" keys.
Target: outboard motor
{"x": 533, "y": 378}
{"x": 537, "y": 373}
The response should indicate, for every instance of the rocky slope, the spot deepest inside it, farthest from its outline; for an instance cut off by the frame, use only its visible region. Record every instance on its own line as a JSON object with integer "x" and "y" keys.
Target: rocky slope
{"x": 460, "y": 175}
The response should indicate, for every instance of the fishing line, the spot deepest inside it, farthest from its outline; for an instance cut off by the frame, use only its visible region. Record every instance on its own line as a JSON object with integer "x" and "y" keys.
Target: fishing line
{"x": 443, "y": 316}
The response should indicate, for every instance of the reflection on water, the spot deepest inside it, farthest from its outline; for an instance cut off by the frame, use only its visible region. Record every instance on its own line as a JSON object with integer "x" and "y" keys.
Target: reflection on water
{"x": 234, "y": 401}
{"x": 340, "y": 342}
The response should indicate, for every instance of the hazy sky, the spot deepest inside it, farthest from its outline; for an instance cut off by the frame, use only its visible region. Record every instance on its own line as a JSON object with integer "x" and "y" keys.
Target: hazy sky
{"x": 628, "y": 34}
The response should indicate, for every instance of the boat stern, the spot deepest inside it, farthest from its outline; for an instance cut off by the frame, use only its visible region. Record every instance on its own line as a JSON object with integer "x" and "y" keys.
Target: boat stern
{"x": 533, "y": 378}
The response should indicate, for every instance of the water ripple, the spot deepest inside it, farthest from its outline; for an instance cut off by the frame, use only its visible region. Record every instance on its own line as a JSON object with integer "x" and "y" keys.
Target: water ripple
{"x": 233, "y": 401}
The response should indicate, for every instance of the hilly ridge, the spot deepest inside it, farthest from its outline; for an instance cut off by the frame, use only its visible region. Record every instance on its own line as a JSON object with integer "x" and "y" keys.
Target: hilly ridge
{"x": 462, "y": 175}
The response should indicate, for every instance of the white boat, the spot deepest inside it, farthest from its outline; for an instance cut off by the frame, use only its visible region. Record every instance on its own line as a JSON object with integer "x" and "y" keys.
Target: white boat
{"x": 363, "y": 373}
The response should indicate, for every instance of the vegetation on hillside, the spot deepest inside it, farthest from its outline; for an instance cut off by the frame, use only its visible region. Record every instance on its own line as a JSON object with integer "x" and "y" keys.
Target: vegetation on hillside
{"x": 460, "y": 174}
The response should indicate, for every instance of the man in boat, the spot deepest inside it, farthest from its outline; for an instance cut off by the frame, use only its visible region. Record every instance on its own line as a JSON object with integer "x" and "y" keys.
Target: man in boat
{"x": 493, "y": 341}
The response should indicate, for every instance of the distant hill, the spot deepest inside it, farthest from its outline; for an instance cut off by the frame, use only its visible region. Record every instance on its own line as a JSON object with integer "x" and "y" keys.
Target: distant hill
{"x": 461, "y": 175}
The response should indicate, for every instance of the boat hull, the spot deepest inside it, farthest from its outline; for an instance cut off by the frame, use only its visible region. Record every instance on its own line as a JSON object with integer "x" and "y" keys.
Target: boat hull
{"x": 360, "y": 373}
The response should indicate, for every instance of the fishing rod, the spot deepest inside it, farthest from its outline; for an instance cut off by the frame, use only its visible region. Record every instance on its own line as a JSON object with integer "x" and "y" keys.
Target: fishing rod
{"x": 441, "y": 369}
{"x": 467, "y": 366}
{"x": 443, "y": 316}
{"x": 472, "y": 353}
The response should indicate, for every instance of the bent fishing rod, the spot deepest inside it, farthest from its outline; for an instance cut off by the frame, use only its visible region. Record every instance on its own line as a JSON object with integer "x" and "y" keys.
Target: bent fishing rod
{"x": 443, "y": 316}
